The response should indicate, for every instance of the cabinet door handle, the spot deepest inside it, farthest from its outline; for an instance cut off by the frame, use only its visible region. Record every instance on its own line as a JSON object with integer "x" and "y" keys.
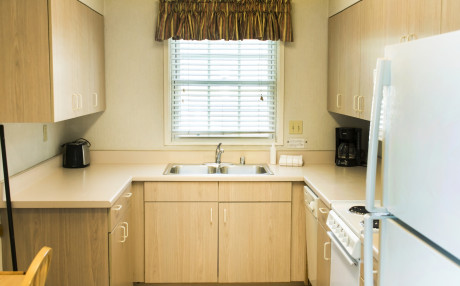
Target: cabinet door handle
{"x": 225, "y": 215}
{"x": 402, "y": 39}
{"x": 361, "y": 106}
{"x": 80, "y": 101}
{"x": 127, "y": 228}
{"x": 124, "y": 236}
{"x": 117, "y": 207}
{"x": 355, "y": 108}
{"x": 128, "y": 195}
{"x": 74, "y": 102}
{"x": 211, "y": 215}
{"x": 323, "y": 210}
{"x": 324, "y": 251}
{"x": 95, "y": 99}
{"x": 339, "y": 100}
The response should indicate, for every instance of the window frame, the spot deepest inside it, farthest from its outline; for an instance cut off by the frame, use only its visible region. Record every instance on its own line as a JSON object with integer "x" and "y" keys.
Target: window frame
{"x": 168, "y": 138}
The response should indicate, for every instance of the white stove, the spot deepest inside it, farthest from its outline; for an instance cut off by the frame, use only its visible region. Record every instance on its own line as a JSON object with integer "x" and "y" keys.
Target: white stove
{"x": 353, "y": 220}
{"x": 345, "y": 224}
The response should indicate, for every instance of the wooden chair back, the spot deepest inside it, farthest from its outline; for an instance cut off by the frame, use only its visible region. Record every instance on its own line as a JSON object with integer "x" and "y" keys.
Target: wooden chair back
{"x": 38, "y": 269}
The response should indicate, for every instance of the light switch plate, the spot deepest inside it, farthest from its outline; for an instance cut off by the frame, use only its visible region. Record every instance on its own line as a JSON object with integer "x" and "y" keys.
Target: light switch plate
{"x": 295, "y": 127}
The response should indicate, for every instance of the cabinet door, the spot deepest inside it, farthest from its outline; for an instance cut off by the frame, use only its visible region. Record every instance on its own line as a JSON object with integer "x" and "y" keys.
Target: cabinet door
{"x": 450, "y": 21}
{"x": 66, "y": 60}
{"x": 349, "y": 58}
{"x": 180, "y": 242}
{"x": 24, "y": 57}
{"x": 121, "y": 261}
{"x": 334, "y": 99}
{"x": 344, "y": 61}
{"x": 323, "y": 257}
{"x": 96, "y": 72}
{"x": 254, "y": 242}
{"x": 395, "y": 13}
{"x": 424, "y": 18}
{"x": 372, "y": 47}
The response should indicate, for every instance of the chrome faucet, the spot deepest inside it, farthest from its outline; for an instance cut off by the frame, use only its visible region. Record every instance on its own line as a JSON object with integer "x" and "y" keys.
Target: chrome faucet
{"x": 219, "y": 152}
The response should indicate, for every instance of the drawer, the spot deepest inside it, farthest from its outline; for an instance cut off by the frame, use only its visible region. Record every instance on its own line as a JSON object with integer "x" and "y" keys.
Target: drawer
{"x": 255, "y": 191}
{"x": 119, "y": 208}
{"x": 323, "y": 212}
{"x": 180, "y": 191}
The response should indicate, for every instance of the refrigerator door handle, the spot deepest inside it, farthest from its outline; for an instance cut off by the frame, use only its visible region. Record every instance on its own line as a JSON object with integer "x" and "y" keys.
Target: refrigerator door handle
{"x": 368, "y": 245}
{"x": 383, "y": 78}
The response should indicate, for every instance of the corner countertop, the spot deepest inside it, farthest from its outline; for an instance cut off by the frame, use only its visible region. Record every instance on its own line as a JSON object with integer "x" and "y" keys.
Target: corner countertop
{"x": 48, "y": 185}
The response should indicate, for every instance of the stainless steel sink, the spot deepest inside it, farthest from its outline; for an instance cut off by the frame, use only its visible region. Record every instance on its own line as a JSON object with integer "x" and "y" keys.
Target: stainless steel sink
{"x": 211, "y": 168}
{"x": 258, "y": 169}
{"x": 187, "y": 169}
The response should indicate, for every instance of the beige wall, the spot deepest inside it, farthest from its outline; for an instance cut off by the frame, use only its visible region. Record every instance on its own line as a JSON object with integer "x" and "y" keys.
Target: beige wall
{"x": 134, "y": 80}
{"x": 25, "y": 146}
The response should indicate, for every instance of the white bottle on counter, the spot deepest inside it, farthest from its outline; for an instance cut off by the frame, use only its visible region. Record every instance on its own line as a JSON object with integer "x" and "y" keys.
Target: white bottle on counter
{"x": 273, "y": 155}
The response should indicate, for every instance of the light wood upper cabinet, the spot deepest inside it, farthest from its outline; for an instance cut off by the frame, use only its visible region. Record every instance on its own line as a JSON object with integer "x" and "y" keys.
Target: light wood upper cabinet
{"x": 334, "y": 98}
{"x": 372, "y": 47}
{"x": 450, "y": 21}
{"x": 357, "y": 37}
{"x": 254, "y": 242}
{"x": 52, "y": 56}
{"x": 408, "y": 20}
{"x": 344, "y": 59}
{"x": 181, "y": 242}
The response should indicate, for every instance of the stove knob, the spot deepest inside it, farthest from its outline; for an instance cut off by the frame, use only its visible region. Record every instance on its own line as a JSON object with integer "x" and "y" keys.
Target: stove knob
{"x": 345, "y": 240}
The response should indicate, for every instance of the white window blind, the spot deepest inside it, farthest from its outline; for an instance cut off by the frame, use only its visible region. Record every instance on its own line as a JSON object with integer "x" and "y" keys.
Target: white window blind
{"x": 223, "y": 88}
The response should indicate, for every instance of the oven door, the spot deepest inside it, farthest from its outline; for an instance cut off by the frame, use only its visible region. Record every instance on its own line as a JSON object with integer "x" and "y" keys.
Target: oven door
{"x": 344, "y": 268}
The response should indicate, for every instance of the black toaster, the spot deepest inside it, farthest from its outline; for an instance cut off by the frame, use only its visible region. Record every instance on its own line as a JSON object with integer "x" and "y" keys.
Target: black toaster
{"x": 76, "y": 154}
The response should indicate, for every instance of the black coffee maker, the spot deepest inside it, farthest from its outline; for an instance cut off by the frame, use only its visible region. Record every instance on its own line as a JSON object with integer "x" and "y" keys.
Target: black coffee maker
{"x": 348, "y": 146}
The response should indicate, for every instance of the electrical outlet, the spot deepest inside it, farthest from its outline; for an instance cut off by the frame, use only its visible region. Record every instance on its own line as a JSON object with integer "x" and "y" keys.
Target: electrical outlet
{"x": 295, "y": 127}
{"x": 45, "y": 133}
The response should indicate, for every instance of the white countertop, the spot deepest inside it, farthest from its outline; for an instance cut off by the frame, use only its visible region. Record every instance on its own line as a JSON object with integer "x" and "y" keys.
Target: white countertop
{"x": 99, "y": 185}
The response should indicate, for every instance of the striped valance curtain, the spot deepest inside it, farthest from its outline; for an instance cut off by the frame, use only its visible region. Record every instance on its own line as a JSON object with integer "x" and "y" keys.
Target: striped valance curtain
{"x": 224, "y": 20}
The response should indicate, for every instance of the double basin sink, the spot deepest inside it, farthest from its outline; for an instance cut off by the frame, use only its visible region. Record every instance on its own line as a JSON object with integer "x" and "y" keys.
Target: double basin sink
{"x": 218, "y": 169}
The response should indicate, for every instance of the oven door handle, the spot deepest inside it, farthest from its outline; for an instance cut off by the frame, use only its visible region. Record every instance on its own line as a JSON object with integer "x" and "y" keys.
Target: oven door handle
{"x": 347, "y": 256}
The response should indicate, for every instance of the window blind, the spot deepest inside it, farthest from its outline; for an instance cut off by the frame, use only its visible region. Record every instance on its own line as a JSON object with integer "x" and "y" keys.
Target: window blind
{"x": 223, "y": 88}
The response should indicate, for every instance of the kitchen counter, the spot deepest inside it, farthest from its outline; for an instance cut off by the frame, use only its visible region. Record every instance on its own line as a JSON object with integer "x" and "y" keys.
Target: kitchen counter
{"x": 48, "y": 185}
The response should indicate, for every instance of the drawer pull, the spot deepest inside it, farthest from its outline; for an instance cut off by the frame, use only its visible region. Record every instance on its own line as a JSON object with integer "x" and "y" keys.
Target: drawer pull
{"x": 225, "y": 215}
{"x": 324, "y": 251}
{"x": 127, "y": 228}
{"x": 323, "y": 210}
{"x": 124, "y": 234}
{"x": 211, "y": 215}
{"x": 128, "y": 195}
{"x": 117, "y": 207}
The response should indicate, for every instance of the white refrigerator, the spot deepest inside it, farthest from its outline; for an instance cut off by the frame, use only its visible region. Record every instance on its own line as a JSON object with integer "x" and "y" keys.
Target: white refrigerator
{"x": 419, "y": 84}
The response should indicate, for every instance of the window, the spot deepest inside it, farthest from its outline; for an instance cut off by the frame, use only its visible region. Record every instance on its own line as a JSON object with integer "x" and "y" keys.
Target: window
{"x": 224, "y": 89}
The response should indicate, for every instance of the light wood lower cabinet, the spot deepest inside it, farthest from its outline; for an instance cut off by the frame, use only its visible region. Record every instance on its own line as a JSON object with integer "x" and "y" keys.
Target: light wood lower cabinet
{"x": 181, "y": 242}
{"x": 205, "y": 232}
{"x": 85, "y": 245}
{"x": 323, "y": 255}
{"x": 121, "y": 245}
{"x": 323, "y": 258}
{"x": 254, "y": 242}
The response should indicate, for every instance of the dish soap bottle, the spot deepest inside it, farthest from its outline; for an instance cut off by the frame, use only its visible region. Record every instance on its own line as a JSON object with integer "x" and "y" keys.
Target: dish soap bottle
{"x": 273, "y": 155}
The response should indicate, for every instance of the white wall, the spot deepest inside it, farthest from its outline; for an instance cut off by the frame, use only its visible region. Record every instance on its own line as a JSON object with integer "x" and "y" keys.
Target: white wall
{"x": 134, "y": 80}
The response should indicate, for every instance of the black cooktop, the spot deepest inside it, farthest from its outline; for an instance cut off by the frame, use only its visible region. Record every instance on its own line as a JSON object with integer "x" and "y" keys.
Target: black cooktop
{"x": 361, "y": 210}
